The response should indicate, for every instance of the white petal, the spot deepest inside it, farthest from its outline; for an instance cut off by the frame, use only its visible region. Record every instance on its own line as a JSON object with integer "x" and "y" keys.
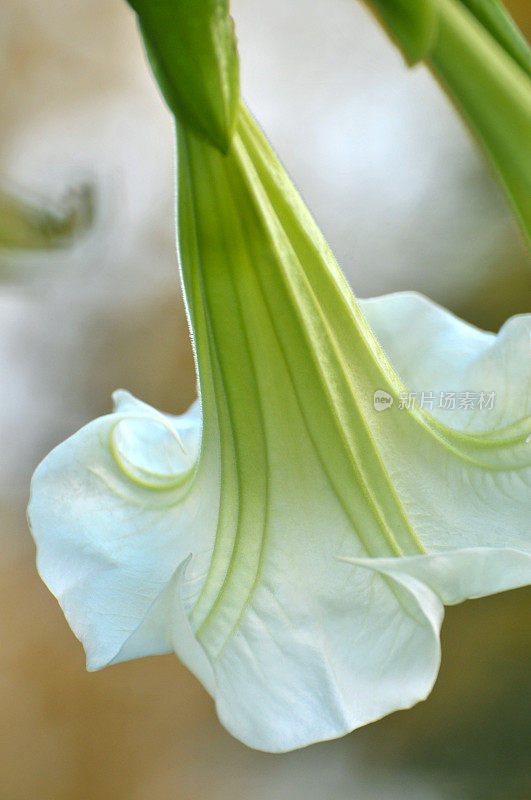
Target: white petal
{"x": 458, "y": 575}
{"x": 109, "y": 539}
{"x": 432, "y": 350}
{"x": 168, "y": 622}
{"x": 305, "y": 666}
{"x": 479, "y": 496}
{"x": 318, "y": 648}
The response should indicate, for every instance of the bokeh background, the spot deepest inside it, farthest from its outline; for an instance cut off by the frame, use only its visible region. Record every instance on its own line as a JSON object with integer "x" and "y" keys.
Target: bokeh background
{"x": 406, "y": 202}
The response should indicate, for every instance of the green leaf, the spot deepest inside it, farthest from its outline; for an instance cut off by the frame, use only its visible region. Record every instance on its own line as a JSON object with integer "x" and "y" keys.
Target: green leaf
{"x": 483, "y": 62}
{"x": 191, "y": 46}
{"x": 498, "y": 22}
{"x": 493, "y": 94}
{"x": 30, "y": 223}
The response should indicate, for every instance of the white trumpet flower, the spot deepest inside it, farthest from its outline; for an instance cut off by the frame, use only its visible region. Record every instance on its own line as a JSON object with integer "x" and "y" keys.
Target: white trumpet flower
{"x": 292, "y": 539}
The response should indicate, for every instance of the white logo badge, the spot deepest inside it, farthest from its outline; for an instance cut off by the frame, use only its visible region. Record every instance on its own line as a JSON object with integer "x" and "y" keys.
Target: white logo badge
{"x": 381, "y": 400}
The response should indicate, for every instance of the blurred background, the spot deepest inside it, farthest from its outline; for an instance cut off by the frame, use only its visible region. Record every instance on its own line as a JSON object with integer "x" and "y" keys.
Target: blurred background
{"x": 405, "y": 201}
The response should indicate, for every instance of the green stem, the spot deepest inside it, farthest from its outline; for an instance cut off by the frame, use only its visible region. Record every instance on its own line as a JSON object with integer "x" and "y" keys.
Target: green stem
{"x": 480, "y": 58}
{"x": 493, "y": 94}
